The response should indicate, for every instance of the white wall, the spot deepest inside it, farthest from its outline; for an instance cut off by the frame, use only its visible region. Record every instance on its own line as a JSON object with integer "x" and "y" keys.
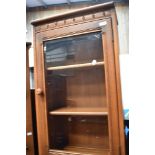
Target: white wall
{"x": 124, "y": 70}
{"x": 123, "y": 27}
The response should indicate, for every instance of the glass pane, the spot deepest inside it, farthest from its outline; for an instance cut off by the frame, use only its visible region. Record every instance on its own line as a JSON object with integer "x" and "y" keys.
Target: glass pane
{"x": 74, "y": 50}
{"x": 76, "y": 88}
{"x": 76, "y": 94}
{"x": 80, "y": 134}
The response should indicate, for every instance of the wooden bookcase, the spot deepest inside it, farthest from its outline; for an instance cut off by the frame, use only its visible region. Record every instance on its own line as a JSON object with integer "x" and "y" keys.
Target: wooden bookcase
{"x": 77, "y": 80}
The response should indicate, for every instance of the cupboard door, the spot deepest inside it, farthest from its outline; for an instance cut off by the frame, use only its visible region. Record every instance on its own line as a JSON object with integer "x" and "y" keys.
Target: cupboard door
{"x": 76, "y": 98}
{"x": 75, "y": 93}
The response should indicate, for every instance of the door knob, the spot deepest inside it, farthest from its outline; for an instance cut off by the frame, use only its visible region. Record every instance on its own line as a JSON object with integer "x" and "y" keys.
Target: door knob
{"x": 39, "y": 91}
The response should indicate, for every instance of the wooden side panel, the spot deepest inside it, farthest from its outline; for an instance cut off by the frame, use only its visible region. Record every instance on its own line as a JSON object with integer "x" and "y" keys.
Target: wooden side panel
{"x": 111, "y": 87}
{"x": 118, "y": 84}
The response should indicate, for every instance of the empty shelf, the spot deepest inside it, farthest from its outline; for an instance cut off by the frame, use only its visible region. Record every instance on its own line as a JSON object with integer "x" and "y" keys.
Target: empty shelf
{"x": 76, "y": 66}
{"x": 95, "y": 111}
{"x": 73, "y": 150}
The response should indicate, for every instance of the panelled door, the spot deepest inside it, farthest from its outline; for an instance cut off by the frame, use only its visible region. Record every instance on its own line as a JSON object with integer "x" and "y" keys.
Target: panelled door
{"x": 76, "y": 97}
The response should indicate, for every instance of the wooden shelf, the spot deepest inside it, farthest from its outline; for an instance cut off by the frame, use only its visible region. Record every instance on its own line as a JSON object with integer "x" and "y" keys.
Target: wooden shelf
{"x": 95, "y": 111}
{"x": 74, "y": 150}
{"x": 76, "y": 66}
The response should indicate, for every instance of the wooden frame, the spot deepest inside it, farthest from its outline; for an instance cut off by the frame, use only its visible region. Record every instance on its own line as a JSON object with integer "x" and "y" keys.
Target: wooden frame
{"x": 99, "y": 18}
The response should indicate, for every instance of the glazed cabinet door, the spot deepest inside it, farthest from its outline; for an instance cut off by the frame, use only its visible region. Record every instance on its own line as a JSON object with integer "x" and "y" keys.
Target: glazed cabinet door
{"x": 76, "y": 98}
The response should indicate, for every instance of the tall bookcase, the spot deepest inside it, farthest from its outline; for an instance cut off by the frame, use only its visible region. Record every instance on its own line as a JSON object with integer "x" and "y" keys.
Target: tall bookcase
{"x": 77, "y": 80}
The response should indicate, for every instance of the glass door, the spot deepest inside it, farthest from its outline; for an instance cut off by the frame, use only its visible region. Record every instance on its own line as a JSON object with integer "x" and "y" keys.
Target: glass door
{"x": 76, "y": 94}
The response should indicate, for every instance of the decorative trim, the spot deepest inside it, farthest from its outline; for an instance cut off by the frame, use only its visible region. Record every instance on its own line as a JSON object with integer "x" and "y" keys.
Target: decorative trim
{"x": 72, "y": 21}
{"x": 87, "y": 10}
{"x": 71, "y": 34}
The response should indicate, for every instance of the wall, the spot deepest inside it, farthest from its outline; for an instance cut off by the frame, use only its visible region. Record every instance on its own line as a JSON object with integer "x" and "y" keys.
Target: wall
{"x": 122, "y": 11}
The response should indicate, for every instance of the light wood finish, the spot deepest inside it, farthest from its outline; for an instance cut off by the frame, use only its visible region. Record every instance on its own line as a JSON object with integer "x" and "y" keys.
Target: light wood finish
{"x": 87, "y": 151}
{"x": 118, "y": 84}
{"x": 72, "y": 150}
{"x": 76, "y": 66}
{"x": 41, "y": 114}
{"x": 88, "y": 87}
{"x": 112, "y": 88}
{"x": 39, "y": 91}
{"x": 80, "y": 111}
